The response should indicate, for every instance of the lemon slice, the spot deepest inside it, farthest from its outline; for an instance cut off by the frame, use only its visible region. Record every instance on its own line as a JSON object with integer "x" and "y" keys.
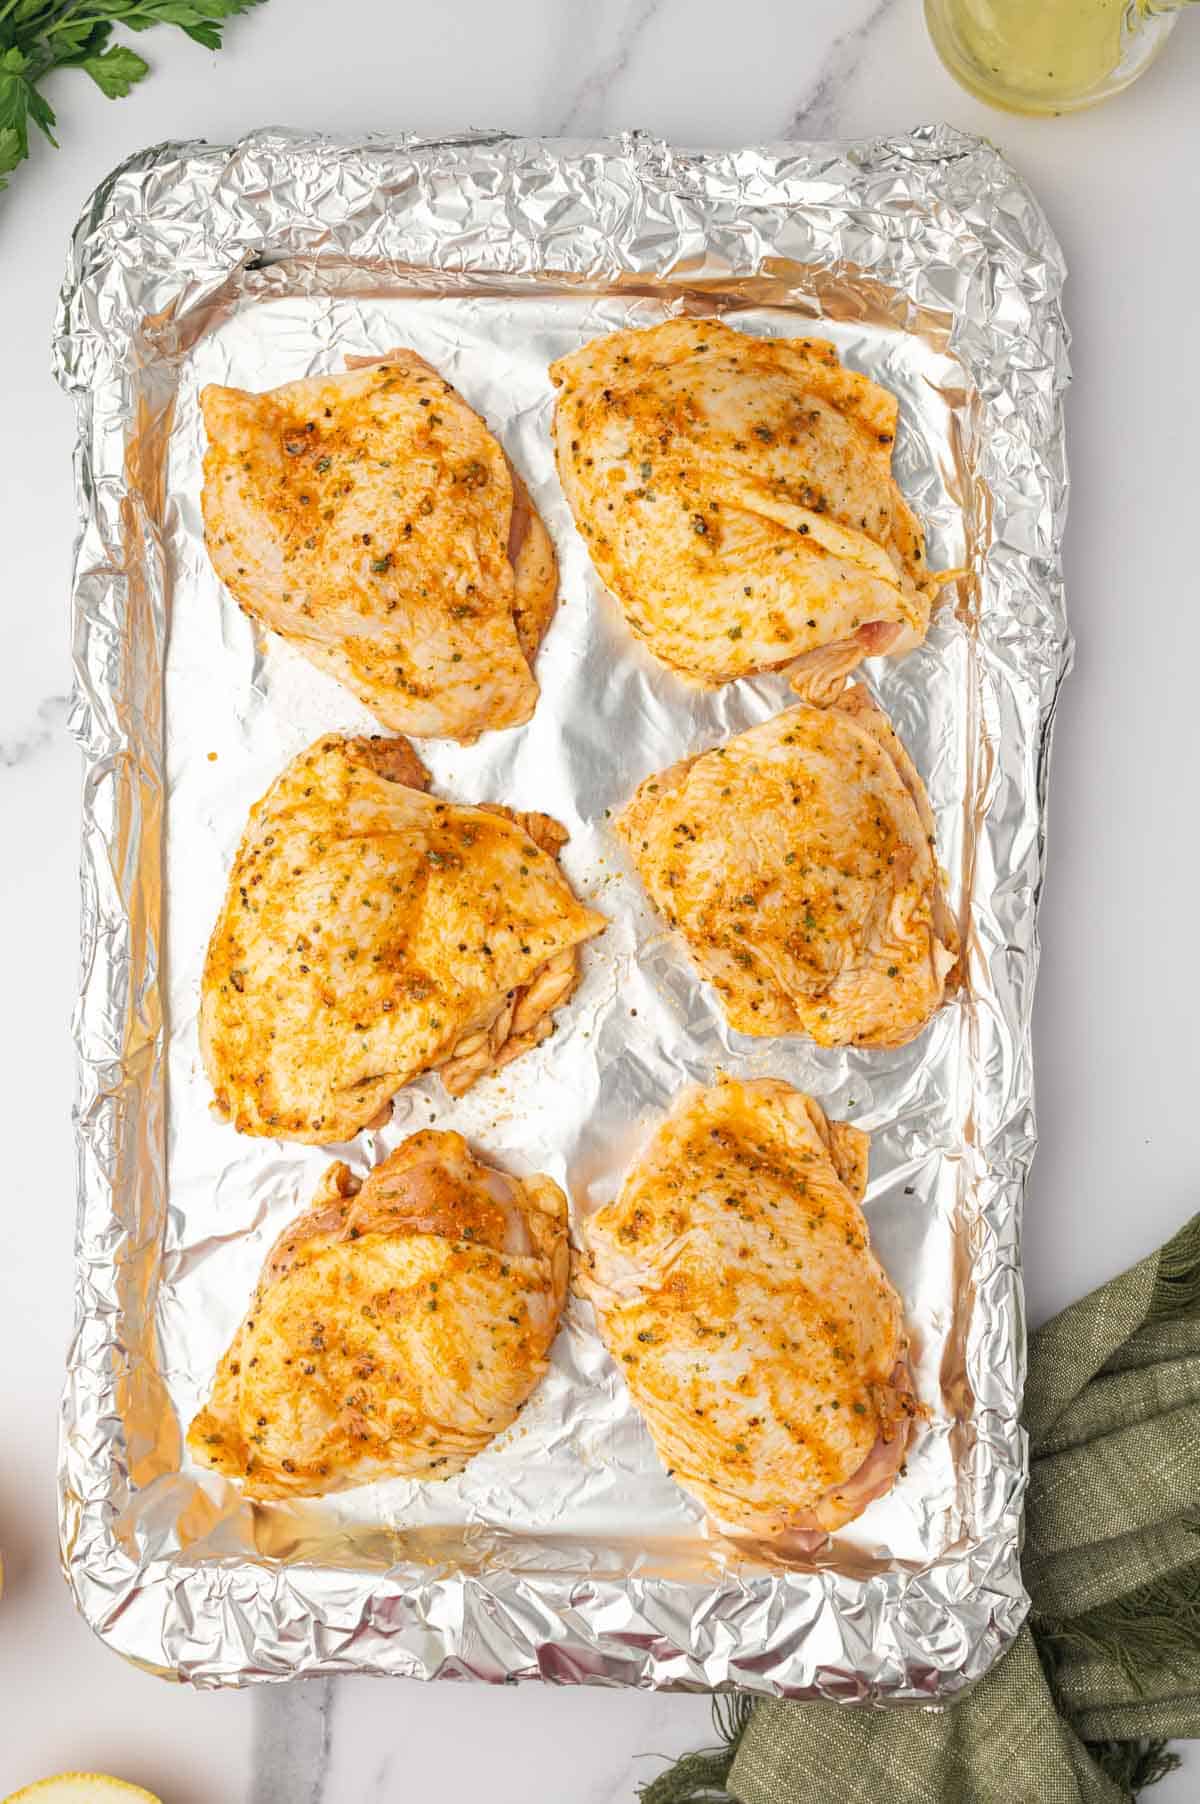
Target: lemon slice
{"x": 82, "y": 1788}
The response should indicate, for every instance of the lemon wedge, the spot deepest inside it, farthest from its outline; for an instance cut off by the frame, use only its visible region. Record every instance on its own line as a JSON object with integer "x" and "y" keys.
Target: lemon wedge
{"x": 81, "y": 1788}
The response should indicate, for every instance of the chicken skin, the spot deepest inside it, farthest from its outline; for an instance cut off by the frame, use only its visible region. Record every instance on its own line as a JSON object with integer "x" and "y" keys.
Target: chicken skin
{"x": 374, "y": 522}
{"x": 397, "y": 1328}
{"x": 797, "y": 863}
{"x": 736, "y": 496}
{"x": 760, "y": 1338}
{"x": 370, "y": 933}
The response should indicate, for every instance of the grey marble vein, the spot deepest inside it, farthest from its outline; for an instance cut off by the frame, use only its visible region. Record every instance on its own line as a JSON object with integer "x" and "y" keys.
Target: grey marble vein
{"x": 48, "y": 722}
{"x": 293, "y": 1735}
{"x": 816, "y": 115}
{"x": 587, "y": 108}
{"x": 381, "y": 1791}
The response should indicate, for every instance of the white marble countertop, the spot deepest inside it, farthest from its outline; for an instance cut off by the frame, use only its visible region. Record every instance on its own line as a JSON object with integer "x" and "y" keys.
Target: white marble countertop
{"x": 1118, "y": 994}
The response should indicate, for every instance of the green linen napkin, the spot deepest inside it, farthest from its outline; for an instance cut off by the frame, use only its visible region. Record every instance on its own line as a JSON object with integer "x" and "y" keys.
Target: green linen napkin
{"x": 1107, "y": 1668}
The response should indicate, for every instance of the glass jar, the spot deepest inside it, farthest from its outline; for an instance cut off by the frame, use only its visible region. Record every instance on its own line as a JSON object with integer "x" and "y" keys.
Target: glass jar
{"x": 1048, "y": 56}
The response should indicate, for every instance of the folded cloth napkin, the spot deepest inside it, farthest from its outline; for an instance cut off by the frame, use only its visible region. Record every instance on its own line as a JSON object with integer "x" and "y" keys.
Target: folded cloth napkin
{"x": 1107, "y": 1669}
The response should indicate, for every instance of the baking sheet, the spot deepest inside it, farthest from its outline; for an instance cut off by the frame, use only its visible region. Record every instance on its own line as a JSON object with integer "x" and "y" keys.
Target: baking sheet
{"x": 563, "y": 1551}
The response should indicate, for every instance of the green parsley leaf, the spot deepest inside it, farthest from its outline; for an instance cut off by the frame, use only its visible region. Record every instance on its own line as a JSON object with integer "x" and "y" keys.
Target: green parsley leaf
{"x": 10, "y": 153}
{"x": 20, "y": 101}
{"x": 38, "y": 36}
{"x": 115, "y": 70}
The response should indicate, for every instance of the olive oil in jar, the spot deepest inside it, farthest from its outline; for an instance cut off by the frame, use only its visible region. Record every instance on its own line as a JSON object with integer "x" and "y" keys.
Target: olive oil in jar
{"x": 1046, "y": 56}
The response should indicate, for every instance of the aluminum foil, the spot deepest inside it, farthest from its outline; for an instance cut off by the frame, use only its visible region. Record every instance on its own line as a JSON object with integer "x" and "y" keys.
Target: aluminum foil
{"x": 564, "y": 1551}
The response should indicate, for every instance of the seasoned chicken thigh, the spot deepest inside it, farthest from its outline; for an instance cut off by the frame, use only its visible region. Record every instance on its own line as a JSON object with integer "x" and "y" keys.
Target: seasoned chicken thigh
{"x": 759, "y": 1336}
{"x": 797, "y": 862}
{"x": 371, "y": 932}
{"x": 397, "y": 1328}
{"x": 736, "y": 495}
{"x": 373, "y": 521}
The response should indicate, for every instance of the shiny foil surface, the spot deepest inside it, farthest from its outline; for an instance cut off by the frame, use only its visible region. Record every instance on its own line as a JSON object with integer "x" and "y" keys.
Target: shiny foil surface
{"x": 564, "y": 1551}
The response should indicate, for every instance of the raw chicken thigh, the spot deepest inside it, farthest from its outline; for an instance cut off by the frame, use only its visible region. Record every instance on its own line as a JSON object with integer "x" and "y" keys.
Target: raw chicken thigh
{"x": 371, "y": 932}
{"x": 373, "y": 521}
{"x": 736, "y": 496}
{"x": 397, "y": 1327}
{"x": 760, "y": 1338}
{"x": 797, "y": 863}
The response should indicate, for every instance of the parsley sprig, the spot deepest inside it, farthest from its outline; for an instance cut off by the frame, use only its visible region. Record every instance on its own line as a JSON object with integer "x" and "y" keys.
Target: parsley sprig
{"x": 37, "y": 36}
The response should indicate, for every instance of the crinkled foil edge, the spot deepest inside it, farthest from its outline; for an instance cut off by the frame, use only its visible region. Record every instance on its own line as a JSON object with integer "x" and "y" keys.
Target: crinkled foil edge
{"x": 955, "y": 229}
